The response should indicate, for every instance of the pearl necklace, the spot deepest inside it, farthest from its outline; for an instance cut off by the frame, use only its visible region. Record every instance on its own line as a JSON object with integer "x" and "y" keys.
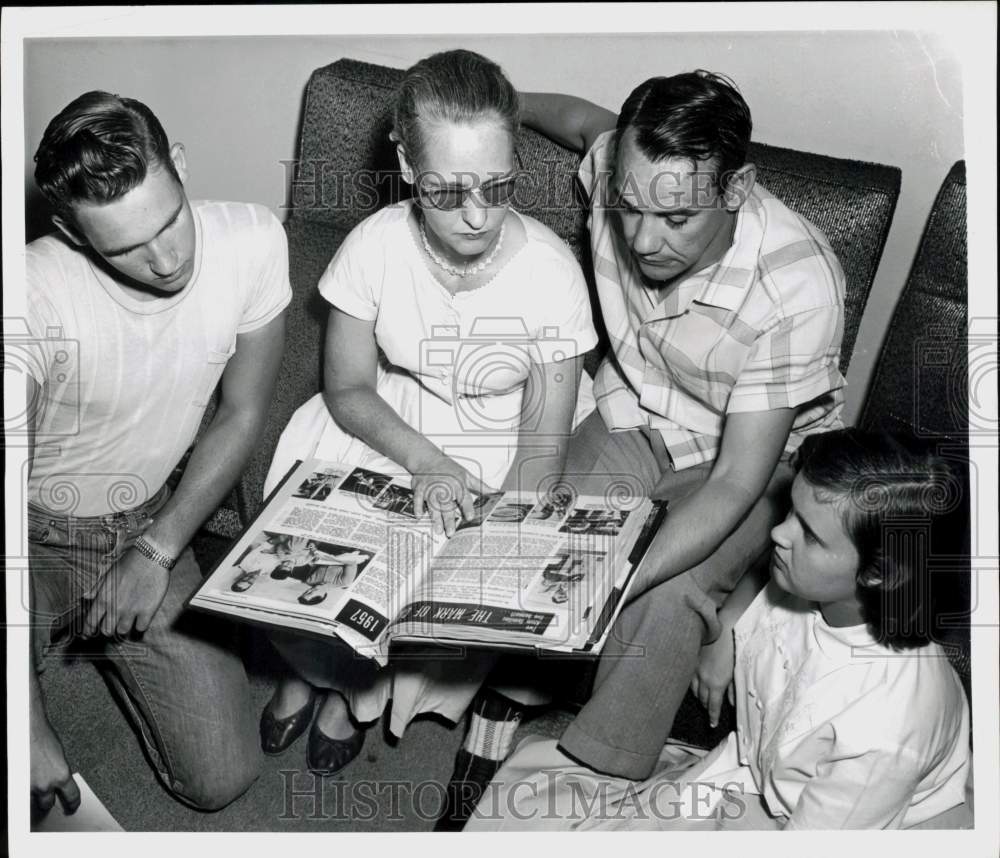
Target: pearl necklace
{"x": 467, "y": 270}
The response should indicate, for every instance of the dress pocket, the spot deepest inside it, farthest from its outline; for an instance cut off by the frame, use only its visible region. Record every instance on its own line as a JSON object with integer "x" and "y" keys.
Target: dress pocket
{"x": 215, "y": 364}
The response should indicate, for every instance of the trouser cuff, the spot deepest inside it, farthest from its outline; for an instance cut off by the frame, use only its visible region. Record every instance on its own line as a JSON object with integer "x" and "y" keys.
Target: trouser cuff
{"x": 603, "y": 758}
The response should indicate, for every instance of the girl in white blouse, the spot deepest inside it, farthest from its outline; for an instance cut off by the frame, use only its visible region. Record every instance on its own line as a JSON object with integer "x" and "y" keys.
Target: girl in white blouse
{"x": 848, "y": 714}
{"x": 453, "y": 354}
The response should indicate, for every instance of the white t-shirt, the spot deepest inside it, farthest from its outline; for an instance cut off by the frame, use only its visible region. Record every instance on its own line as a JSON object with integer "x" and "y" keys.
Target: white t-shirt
{"x": 125, "y": 382}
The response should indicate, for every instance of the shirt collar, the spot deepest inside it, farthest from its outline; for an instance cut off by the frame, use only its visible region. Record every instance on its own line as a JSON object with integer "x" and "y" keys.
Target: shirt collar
{"x": 725, "y": 283}
{"x": 851, "y": 643}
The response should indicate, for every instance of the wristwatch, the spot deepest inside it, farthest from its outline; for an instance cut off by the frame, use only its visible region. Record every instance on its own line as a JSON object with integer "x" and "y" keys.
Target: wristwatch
{"x": 147, "y": 549}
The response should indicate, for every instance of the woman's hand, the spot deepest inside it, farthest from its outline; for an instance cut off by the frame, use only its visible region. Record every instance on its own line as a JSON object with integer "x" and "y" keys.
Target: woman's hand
{"x": 446, "y": 490}
{"x": 714, "y": 676}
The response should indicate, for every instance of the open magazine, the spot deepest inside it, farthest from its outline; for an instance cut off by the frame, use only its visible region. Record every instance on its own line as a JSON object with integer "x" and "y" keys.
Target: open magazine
{"x": 337, "y": 550}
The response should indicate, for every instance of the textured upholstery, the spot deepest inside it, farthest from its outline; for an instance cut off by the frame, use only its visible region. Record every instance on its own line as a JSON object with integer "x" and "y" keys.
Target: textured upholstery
{"x": 919, "y": 383}
{"x": 346, "y": 170}
{"x": 920, "y": 387}
{"x": 852, "y": 202}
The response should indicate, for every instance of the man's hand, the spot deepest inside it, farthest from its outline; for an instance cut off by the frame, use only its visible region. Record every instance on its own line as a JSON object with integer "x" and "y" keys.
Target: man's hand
{"x": 129, "y": 595}
{"x": 714, "y": 676}
{"x": 445, "y": 489}
{"x": 50, "y": 774}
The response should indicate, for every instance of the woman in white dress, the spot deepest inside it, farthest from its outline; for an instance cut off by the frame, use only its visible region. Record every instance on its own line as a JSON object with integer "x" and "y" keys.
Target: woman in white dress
{"x": 453, "y": 354}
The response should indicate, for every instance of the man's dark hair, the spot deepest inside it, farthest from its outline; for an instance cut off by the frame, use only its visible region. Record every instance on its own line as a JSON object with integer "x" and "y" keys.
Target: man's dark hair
{"x": 697, "y": 115}
{"x": 890, "y": 491}
{"x": 97, "y": 149}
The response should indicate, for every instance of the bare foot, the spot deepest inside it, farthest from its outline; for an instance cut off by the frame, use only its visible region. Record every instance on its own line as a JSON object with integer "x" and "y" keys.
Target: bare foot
{"x": 290, "y": 696}
{"x": 334, "y": 719}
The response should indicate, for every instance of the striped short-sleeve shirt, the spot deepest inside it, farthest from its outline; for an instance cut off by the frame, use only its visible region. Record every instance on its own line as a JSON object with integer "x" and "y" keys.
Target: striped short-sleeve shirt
{"x": 757, "y": 331}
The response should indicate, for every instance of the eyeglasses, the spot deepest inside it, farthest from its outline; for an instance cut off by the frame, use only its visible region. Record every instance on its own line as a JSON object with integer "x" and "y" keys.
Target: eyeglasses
{"x": 491, "y": 194}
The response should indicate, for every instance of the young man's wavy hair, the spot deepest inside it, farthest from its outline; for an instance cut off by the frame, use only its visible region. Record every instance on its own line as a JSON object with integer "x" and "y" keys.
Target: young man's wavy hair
{"x": 697, "y": 116}
{"x": 97, "y": 149}
{"x": 890, "y": 492}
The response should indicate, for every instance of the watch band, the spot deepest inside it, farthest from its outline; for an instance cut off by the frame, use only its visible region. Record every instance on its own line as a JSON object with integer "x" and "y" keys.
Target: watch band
{"x": 147, "y": 549}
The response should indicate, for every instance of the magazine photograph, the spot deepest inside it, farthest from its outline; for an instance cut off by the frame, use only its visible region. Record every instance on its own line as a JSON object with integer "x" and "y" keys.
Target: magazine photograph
{"x": 339, "y": 551}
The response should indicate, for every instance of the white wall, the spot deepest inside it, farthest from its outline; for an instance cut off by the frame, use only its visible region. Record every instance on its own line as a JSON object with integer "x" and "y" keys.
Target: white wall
{"x": 891, "y": 97}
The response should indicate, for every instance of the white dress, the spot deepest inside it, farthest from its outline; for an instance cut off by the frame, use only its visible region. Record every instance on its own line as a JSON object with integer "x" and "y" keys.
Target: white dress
{"x": 453, "y": 367}
{"x": 834, "y": 731}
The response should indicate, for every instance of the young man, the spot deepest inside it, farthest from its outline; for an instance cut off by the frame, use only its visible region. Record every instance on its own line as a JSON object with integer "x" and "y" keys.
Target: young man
{"x": 140, "y": 303}
{"x": 725, "y": 315}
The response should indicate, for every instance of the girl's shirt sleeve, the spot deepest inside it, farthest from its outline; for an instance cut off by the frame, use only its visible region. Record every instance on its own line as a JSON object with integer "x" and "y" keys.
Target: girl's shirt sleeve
{"x": 870, "y": 790}
{"x": 565, "y": 325}
{"x": 352, "y": 281}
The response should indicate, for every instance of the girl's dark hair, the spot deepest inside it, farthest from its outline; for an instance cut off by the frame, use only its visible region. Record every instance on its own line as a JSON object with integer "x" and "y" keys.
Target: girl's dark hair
{"x": 697, "y": 115}
{"x": 890, "y": 491}
{"x": 97, "y": 149}
{"x": 458, "y": 87}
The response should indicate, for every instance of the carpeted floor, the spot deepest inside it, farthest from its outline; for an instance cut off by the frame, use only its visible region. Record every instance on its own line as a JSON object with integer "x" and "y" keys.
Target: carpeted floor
{"x": 392, "y": 786}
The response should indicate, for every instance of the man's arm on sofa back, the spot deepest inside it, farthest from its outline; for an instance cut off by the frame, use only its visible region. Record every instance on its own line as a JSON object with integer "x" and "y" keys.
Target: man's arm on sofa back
{"x": 570, "y": 121}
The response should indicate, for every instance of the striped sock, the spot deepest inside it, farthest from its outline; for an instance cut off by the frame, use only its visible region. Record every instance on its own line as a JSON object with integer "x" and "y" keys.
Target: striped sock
{"x": 491, "y": 733}
{"x": 492, "y": 726}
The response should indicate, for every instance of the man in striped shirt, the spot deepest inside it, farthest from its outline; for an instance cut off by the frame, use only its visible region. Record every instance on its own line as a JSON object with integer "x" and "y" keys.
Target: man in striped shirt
{"x": 724, "y": 311}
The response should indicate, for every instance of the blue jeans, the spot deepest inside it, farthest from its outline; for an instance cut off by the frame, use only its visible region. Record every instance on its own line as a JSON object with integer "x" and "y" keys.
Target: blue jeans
{"x": 182, "y": 684}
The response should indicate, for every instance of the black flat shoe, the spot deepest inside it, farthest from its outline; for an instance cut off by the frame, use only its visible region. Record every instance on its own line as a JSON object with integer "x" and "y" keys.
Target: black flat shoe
{"x": 277, "y": 734}
{"x": 326, "y": 756}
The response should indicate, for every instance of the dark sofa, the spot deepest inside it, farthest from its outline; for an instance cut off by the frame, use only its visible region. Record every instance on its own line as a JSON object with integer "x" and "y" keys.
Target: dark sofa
{"x": 346, "y": 170}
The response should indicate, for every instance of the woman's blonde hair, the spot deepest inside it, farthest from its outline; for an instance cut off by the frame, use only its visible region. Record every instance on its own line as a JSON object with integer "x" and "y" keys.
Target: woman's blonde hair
{"x": 458, "y": 87}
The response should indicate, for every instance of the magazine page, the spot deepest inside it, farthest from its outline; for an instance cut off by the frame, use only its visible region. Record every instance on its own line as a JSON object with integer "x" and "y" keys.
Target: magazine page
{"x": 335, "y": 551}
{"x": 536, "y": 568}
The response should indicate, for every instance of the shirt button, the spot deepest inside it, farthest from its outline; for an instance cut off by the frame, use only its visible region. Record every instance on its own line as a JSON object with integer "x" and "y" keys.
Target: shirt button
{"x": 759, "y": 705}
